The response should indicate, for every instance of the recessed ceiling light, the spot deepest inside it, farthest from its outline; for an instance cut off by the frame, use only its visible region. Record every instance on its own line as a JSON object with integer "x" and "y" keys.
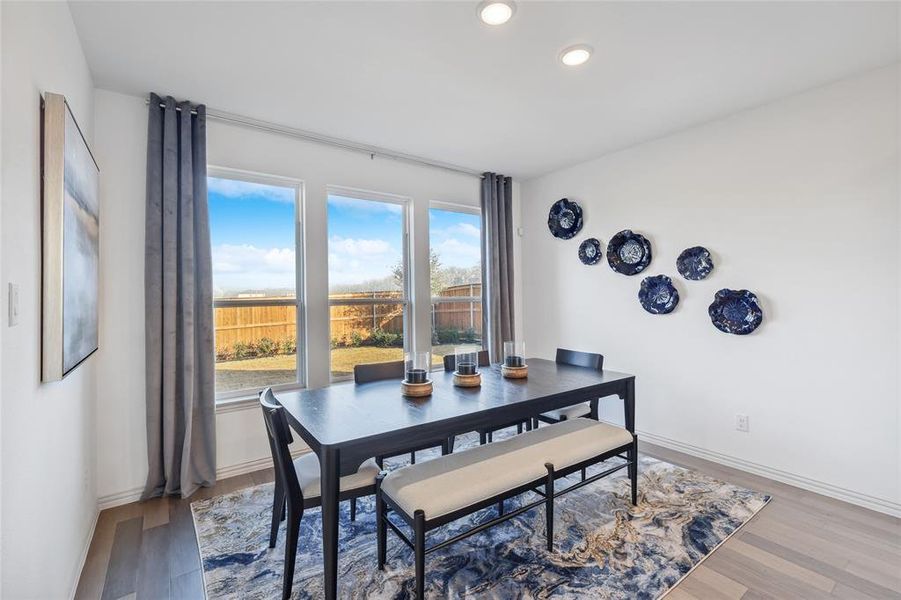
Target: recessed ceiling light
{"x": 575, "y": 55}
{"x": 493, "y": 12}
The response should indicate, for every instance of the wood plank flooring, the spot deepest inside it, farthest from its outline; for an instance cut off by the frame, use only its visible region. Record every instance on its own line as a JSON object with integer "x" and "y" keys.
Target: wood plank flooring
{"x": 801, "y": 545}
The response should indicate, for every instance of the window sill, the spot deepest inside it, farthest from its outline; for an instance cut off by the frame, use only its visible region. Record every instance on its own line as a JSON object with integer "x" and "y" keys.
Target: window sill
{"x": 248, "y": 401}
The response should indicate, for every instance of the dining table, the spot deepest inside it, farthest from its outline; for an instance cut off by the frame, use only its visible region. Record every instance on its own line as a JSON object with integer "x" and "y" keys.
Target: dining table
{"x": 346, "y": 423}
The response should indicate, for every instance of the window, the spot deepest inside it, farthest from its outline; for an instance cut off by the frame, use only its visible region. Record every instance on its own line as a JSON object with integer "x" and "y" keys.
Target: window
{"x": 255, "y": 236}
{"x": 455, "y": 261}
{"x": 368, "y": 279}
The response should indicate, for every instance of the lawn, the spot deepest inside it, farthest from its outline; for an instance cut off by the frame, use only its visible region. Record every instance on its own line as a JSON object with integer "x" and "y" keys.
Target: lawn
{"x": 254, "y": 373}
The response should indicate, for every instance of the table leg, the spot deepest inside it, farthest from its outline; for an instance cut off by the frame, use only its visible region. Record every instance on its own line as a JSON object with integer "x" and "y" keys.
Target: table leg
{"x": 628, "y": 397}
{"x": 330, "y": 464}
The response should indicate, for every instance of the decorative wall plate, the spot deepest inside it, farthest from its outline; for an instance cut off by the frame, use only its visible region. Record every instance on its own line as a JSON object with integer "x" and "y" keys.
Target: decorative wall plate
{"x": 564, "y": 219}
{"x": 628, "y": 253}
{"x": 590, "y": 251}
{"x": 695, "y": 263}
{"x": 735, "y": 311}
{"x": 658, "y": 295}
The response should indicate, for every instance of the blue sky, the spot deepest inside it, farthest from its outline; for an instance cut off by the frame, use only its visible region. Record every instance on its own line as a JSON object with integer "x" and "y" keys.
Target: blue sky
{"x": 252, "y": 232}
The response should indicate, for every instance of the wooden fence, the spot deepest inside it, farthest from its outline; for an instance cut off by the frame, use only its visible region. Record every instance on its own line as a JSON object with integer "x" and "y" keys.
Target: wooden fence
{"x": 245, "y": 320}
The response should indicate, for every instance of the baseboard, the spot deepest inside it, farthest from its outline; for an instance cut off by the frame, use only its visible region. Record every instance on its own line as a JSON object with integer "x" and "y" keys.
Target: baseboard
{"x": 84, "y": 554}
{"x": 827, "y": 489}
{"x": 134, "y": 494}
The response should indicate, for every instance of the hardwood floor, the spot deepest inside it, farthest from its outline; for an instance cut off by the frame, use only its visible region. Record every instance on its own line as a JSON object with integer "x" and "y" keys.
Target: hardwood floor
{"x": 801, "y": 545}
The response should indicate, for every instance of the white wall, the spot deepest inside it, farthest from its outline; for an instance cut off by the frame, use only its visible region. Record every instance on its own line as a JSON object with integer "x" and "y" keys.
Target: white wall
{"x": 48, "y": 436}
{"x": 121, "y": 123}
{"x": 798, "y": 201}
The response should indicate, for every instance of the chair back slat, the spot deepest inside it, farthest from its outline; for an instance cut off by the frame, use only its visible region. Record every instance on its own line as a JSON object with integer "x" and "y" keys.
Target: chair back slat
{"x": 279, "y": 433}
{"x": 450, "y": 360}
{"x": 580, "y": 359}
{"x": 379, "y": 371}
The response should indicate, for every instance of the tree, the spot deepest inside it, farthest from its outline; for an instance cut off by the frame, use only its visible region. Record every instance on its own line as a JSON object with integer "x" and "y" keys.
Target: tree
{"x": 439, "y": 277}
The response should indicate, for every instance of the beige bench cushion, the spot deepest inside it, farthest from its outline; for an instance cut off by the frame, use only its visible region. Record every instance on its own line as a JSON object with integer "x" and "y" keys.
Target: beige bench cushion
{"x": 308, "y": 474}
{"x": 570, "y": 412}
{"x": 443, "y": 485}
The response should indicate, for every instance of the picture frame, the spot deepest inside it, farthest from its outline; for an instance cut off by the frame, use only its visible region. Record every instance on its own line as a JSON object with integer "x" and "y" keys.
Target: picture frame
{"x": 70, "y": 181}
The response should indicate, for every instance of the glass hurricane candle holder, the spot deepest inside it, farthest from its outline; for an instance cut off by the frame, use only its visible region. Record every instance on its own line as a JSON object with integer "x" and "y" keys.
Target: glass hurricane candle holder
{"x": 417, "y": 366}
{"x": 466, "y": 359}
{"x": 514, "y": 354}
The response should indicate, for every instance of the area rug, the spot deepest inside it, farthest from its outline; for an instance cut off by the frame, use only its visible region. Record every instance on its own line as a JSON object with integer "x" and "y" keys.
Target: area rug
{"x": 603, "y": 546}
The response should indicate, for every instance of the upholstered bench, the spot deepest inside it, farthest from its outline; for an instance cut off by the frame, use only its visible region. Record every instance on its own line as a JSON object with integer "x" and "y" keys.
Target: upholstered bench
{"x": 436, "y": 492}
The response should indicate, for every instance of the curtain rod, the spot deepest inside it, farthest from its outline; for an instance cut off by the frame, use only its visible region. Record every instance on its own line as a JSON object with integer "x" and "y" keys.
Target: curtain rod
{"x": 310, "y": 136}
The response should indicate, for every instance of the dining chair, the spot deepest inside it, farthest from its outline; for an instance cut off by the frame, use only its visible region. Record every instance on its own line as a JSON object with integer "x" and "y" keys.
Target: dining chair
{"x": 369, "y": 372}
{"x": 486, "y": 434}
{"x": 297, "y": 485}
{"x": 575, "y": 358}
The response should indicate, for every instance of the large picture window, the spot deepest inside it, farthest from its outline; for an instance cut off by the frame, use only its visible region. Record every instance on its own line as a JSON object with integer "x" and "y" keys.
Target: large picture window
{"x": 255, "y": 236}
{"x": 455, "y": 262}
{"x": 368, "y": 279}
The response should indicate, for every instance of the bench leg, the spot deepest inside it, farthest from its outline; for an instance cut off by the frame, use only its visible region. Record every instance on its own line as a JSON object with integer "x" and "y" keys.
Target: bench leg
{"x": 633, "y": 469}
{"x": 450, "y": 444}
{"x": 353, "y": 509}
{"x": 549, "y": 505}
{"x": 518, "y": 428}
{"x": 413, "y": 458}
{"x": 381, "y": 526}
{"x": 483, "y": 438}
{"x": 419, "y": 551}
{"x": 583, "y": 474}
{"x": 500, "y": 508}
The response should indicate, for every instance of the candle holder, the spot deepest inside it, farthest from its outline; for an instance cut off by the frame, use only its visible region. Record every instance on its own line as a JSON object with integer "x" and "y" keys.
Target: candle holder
{"x": 416, "y": 381}
{"x": 514, "y": 365}
{"x": 466, "y": 361}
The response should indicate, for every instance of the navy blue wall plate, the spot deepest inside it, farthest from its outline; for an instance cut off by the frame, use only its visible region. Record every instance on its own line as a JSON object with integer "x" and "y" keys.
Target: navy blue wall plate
{"x": 695, "y": 263}
{"x": 658, "y": 295}
{"x": 735, "y": 311}
{"x": 628, "y": 253}
{"x": 590, "y": 251}
{"x": 564, "y": 219}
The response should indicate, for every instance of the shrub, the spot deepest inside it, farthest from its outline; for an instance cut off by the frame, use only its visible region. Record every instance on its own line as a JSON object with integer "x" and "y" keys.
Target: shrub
{"x": 385, "y": 339}
{"x": 266, "y": 347}
{"x": 448, "y": 336}
{"x": 356, "y": 339}
{"x": 469, "y": 336}
{"x": 223, "y": 353}
{"x": 243, "y": 350}
{"x": 288, "y": 346}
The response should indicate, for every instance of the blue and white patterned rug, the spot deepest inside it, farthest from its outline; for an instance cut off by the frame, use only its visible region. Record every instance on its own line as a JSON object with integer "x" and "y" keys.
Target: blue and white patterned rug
{"x": 604, "y": 547}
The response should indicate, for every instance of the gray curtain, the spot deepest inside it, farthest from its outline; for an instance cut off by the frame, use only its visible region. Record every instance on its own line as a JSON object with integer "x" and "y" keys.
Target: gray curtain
{"x": 178, "y": 293}
{"x": 497, "y": 258}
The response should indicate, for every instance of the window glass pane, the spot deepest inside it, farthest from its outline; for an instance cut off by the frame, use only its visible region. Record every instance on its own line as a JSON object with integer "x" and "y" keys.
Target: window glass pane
{"x": 365, "y": 333}
{"x": 456, "y": 272}
{"x": 454, "y": 254}
{"x": 365, "y": 248}
{"x": 365, "y": 260}
{"x": 252, "y": 231}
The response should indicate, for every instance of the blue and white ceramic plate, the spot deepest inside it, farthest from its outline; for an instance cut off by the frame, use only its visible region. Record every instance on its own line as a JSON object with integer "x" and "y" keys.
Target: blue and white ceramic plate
{"x": 658, "y": 295}
{"x": 735, "y": 311}
{"x": 564, "y": 219}
{"x": 590, "y": 251}
{"x": 628, "y": 253}
{"x": 695, "y": 263}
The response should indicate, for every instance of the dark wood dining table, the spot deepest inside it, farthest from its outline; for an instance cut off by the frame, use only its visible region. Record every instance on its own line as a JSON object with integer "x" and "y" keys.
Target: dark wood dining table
{"x": 346, "y": 424}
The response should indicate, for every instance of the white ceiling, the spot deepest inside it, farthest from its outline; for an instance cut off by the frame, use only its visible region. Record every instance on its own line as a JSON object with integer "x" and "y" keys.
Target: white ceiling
{"x": 428, "y": 78}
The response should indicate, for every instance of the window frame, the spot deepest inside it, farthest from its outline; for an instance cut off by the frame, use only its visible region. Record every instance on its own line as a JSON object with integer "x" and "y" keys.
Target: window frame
{"x": 300, "y": 330}
{"x": 406, "y": 301}
{"x": 466, "y": 209}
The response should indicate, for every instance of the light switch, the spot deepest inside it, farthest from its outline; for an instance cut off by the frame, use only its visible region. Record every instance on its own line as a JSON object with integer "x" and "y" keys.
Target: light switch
{"x": 13, "y": 304}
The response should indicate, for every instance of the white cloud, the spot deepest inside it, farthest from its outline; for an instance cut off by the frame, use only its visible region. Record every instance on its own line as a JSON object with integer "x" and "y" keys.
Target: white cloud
{"x": 233, "y": 188}
{"x": 456, "y": 253}
{"x": 364, "y": 206}
{"x": 468, "y": 229}
{"x": 353, "y": 260}
{"x": 244, "y": 266}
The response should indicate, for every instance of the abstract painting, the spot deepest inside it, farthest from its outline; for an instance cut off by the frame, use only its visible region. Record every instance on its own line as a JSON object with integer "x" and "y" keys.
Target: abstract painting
{"x": 71, "y": 242}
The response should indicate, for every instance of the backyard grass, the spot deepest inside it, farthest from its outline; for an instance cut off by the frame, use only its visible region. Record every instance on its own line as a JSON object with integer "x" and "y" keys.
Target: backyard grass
{"x": 254, "y": 373}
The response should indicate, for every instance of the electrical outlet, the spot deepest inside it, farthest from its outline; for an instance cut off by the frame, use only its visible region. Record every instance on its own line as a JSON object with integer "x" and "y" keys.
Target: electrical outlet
{"x": 741, "y": 423}
{"x": 13, "y": 304}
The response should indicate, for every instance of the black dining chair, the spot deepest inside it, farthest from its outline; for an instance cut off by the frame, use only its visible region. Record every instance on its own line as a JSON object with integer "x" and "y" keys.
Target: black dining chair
{"x": 575, "y": 358}
{"x": 486, "y": 435}
{"x": 369, "y": 372}
{"x": 297, "y": 483}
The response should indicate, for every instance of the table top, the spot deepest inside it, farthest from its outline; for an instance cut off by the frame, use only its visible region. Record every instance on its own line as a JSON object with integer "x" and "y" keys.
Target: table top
{"x": 349, "y": 412}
